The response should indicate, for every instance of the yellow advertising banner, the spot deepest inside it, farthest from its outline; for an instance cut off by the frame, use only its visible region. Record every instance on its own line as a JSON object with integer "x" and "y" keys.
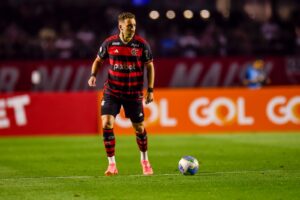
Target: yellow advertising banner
{"x": 177, "y": 111}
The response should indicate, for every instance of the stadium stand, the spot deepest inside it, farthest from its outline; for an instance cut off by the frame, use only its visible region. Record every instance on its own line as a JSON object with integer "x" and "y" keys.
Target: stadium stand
{"x": 74, "y": 30}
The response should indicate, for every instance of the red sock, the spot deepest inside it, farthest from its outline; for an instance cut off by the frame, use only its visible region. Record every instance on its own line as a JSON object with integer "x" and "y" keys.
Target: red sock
{"x": 142, "y": 140}
{"x": 109, "y": 142}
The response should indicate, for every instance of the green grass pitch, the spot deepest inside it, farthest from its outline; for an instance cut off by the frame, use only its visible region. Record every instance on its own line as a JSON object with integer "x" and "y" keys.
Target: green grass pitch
{"x": 232, "y": 166}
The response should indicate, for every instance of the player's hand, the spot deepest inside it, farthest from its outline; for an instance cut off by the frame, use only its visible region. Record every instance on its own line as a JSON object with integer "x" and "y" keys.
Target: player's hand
{"x": 92, "y": 81}
{"x": 149, "y": 97}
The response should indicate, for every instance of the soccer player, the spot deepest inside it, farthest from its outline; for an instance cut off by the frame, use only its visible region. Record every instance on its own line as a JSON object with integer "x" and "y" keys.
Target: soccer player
{"x": 255, "y": 75}
{"x": 127, "y": 54}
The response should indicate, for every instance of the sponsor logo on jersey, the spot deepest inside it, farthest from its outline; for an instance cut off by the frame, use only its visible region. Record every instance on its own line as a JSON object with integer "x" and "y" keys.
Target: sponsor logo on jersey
{"x": 116, "y": 51}
{"x": 116, "y": 43}
{"x": 134, "y": 45}
{"x": 118, "y": 67}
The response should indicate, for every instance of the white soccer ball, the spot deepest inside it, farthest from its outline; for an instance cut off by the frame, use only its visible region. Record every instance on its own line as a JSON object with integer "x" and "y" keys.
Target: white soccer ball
{"x": 188, "y": 165}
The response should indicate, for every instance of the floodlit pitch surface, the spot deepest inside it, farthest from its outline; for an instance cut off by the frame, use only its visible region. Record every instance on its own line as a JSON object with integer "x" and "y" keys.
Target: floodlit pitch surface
{"x": 232, "y": 166}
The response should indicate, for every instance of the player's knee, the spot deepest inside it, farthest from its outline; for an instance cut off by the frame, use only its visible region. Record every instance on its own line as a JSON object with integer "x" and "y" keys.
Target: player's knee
{"x": 107, "y": 124}
{"x": 139, "y": 128}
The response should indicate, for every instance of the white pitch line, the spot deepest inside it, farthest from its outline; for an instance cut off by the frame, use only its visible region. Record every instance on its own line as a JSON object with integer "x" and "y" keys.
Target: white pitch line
{"x": 140, "y": 175}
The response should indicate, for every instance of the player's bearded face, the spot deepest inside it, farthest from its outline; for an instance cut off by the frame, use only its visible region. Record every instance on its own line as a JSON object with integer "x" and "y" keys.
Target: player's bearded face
{"x": 127, "y": 28}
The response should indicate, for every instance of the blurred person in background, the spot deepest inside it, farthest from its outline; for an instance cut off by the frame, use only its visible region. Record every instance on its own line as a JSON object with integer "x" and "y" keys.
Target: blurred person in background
{"x": 15, "y": 38}
{"x": 168, "y": 44}
{"x": 65, "y": 42}
{"x": 213, "y": 41}
{"x": 255, "y": 75}
{"x": 128, "y": 54}
{"x": 85, "y": 39}
{"x": 189, "y": 44}
{"x": 271, "y": 34}
{"x": 47, "y": 38}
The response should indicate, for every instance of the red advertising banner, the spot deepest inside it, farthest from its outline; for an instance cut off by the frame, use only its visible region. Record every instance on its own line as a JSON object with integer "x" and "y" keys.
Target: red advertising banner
{"x": 200, "y": 72}
{"x": 48, "y": 113}
{"x": 174, "y": 111}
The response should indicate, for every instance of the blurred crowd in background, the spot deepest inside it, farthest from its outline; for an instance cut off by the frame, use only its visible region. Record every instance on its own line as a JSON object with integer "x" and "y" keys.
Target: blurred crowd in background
{"x": 36, "y": 29}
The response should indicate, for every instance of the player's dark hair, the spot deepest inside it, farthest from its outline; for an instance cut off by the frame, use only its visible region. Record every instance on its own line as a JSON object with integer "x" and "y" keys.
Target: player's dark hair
{"x": 125, "y": 15}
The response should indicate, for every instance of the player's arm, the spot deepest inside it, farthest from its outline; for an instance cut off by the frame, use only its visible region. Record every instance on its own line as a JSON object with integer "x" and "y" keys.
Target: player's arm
{"x": 150, "y": 78}
{"x": 95, "y": 67}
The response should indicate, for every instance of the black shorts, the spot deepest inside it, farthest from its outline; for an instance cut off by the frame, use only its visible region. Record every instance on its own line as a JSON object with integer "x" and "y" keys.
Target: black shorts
{"x": 111, "y": 105}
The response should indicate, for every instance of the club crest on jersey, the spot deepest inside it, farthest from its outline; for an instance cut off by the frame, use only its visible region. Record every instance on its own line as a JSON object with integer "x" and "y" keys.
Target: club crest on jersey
{"x": 134, "y": 52}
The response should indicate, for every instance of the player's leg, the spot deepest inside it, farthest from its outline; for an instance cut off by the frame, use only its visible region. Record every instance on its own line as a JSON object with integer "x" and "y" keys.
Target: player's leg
{"x": 142, "y": 141}
{"x": 134, "y": 111}
{"x": 109, "y": 144}
{"x": 109, "y": 109}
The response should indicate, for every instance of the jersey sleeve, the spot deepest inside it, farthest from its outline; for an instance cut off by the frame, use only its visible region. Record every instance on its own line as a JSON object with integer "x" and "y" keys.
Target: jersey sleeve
{"x": 147, "y": 53}
{"x": 103, "y": 50}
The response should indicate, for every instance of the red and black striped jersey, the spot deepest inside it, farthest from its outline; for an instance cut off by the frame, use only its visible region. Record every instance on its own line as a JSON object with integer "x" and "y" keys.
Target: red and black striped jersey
{"x": 126, "y": 66}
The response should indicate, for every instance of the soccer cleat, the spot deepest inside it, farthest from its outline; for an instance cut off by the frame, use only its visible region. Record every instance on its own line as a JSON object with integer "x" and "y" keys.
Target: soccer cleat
{"x": 111, "y": 170}
{"x": 147, "y": 169}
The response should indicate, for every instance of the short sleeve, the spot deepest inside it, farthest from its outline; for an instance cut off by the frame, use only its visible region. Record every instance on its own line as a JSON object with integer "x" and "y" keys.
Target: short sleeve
{"x": 102, "y": 53}
{"x": 147, "y": 53}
